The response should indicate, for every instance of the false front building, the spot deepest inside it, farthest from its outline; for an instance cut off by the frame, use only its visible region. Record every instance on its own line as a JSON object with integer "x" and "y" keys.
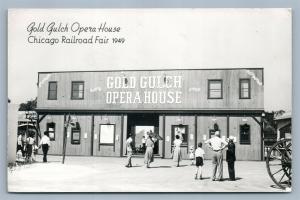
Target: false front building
{"x": 106, "y": 106}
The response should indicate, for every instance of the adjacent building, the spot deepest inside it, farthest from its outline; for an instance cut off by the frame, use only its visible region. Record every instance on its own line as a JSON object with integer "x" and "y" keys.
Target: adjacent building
{"x": 106, "y": 106}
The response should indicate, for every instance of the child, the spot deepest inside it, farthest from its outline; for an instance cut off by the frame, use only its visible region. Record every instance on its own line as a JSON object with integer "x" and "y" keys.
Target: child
{"x": 191, "y": 154}
{"x": 19, "y": 156}
{"x": 199, "y": 154}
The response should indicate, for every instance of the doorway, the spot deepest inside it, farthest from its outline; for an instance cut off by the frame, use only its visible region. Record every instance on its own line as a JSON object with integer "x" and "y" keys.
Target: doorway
{"x": 138, "y": 125}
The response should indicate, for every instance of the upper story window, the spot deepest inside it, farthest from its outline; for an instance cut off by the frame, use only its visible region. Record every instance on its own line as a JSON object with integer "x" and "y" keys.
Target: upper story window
{"x": 77, "y": 90}
{"x": 52, "y": 90}
{"x": 215, "y": 89}
{"x": 245, "y": 89}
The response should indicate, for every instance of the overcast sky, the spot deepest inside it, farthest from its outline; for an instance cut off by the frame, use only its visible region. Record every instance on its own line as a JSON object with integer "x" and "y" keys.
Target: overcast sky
{"x": 158, "y": 39}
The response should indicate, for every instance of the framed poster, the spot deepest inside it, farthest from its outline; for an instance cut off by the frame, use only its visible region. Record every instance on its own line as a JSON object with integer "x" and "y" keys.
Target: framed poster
{"x": 107, "y": 134}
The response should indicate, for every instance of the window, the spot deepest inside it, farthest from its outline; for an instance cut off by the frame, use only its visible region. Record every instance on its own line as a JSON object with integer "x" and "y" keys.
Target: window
{"x": 76, "y": 134}
{"x": 215, "y": 89}
{"x": 245, "y": 89}
{"x": 77, "y": 90}
{"x": 51, "y": 130}
{"x": 52, "y": 90}
{"x": 107, "y": 134}
{"x": 182, "y": 131}
{"x": 244, "y": 134}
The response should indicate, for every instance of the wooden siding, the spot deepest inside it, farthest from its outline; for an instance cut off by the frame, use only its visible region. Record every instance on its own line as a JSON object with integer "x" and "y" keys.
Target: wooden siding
{"x": 56, "y": 145}
{"x": 194, "y": 90}
{"x": 107, "y": 150}
{"x": 71, "y": 149}
{"x": 204, "y": 124}
{"x": 84, "y": 148}
{"x": 184, "y": 120}
{"x": 243, "y": 151}
{"x": 251, "y": 151}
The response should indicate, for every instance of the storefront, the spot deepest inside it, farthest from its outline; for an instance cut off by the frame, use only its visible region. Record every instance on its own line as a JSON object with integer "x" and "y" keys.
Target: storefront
{"x": 106, "y": 106}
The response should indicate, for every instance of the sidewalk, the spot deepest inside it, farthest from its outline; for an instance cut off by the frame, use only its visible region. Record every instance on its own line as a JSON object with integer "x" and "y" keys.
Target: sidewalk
{"x": 108, "y": 174}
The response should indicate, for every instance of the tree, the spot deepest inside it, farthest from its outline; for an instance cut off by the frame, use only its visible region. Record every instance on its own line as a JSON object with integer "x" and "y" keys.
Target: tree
{"x": 28, "y": 106}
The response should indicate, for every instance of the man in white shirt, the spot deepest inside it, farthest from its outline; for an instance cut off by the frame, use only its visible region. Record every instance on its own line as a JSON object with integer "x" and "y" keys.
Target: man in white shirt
{"x": 45, "y": 143}
{"x": 217, "y": 145}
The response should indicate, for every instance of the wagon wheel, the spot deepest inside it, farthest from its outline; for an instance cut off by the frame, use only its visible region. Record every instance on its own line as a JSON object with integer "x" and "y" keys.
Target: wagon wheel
{"x": 279, "y": 163}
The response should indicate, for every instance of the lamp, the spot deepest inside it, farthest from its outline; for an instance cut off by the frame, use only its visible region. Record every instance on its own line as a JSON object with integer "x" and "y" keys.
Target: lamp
{"x": 124, "y": 78}
{"x": 179, "y": 120}
{"x": 244, "y": 119}
{"x": 106, "y": 120}
{"x": 214, "y": 118}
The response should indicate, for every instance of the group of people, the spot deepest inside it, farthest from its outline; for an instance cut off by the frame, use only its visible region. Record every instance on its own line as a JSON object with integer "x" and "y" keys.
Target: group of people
{"x": 216, "y": 144}
{"x": 27, "y": 147}
{"x": 149, "y": 143}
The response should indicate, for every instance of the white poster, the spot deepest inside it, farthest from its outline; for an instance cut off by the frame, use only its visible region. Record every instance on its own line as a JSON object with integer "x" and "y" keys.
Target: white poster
{"x": 107, "y": 132}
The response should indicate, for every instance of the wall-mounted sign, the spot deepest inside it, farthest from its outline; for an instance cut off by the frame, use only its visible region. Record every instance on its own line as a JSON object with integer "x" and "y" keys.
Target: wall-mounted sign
{"x": 144, "y": 90}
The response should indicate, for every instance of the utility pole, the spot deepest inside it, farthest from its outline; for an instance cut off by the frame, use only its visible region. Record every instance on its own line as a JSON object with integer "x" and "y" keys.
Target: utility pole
{"x": 66, "y": 125}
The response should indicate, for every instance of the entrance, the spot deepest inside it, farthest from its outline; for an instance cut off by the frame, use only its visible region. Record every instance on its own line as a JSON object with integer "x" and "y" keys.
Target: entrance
{"x": 138, "y": 125}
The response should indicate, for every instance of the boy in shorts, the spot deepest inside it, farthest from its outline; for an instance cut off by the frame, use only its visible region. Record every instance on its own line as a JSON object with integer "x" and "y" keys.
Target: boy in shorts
{"x": 199, "y": 156}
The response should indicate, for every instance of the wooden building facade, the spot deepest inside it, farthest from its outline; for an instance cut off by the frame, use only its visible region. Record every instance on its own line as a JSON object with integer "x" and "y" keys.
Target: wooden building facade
{"x": 106, "y": 106}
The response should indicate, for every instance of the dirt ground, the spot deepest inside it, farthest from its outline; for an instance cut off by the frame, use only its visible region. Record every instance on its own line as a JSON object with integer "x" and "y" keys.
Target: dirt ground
{"x": 107, "y": 174}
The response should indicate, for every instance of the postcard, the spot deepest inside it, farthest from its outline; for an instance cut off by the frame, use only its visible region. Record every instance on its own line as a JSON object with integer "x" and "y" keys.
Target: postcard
{"x": 149, "y": 100}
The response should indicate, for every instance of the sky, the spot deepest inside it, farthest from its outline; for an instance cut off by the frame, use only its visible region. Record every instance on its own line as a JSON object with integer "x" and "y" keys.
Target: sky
{"x": 155, "y": 39}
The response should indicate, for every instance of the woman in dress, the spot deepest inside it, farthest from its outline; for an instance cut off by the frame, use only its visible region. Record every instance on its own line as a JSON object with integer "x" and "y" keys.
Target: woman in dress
{"x": 149, "y": 150}
{"x": 177, "y": 152}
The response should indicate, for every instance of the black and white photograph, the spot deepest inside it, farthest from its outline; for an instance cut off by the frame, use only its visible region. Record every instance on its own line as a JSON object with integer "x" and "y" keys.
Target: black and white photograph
{"x": 149, "y": 100}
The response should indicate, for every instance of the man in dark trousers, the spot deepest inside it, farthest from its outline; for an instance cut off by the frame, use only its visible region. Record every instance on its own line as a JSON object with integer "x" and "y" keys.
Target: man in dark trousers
{"x": 230, "y": 158}
{"x": 45, "y": 143}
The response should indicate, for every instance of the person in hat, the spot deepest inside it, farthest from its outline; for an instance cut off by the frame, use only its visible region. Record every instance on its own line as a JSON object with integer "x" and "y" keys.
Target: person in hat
{"x": 230, "y": 158}
{"x": 129, "y": 150}
{"x": 149, "y": 157}
{"x": 216, "y": 144}
{"x": 45, "y": 144}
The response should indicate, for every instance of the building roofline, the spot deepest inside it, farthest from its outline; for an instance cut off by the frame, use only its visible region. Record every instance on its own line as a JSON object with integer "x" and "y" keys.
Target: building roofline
{"x": 130, "y": 70}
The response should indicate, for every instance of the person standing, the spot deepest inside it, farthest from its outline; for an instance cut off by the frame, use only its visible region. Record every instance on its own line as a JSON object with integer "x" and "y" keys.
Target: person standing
{"x": 177, "y": 151}
{"x": 129, "y": 151}
{"x": 149, "y": 157}
{"x": 230, "y": 158}
{"x": 45, "y": 143}
{"x": 191, "y": 154}
{"x": 19, "y": 143}
{"x": 30, "y": 142}
{"x": 217, "y": 145}
{"x": 144, "y": 143}
{"x": 199, "y": 156}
